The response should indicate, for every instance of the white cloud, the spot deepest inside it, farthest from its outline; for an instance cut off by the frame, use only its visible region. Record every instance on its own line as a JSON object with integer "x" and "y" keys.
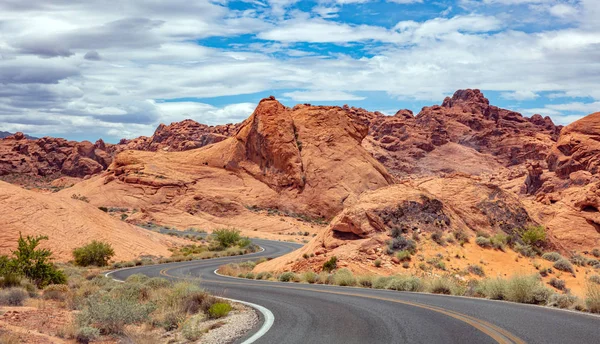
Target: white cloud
{"x": 321, "y": 95}
{"x": 520, "y": 95}
{"x": 563, "y": 11}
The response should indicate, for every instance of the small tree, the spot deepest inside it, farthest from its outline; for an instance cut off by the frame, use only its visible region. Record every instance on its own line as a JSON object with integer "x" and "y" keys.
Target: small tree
{"x": 34, "y": 263}
{"x": 227, "y": 237}
{"x": 330, "y": 265}
{"x": 95, "y": 253}
{"x": 534, "y": 235}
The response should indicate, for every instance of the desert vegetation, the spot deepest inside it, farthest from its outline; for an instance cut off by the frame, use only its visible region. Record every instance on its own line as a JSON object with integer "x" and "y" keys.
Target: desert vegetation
{"x": 89, "y": 306}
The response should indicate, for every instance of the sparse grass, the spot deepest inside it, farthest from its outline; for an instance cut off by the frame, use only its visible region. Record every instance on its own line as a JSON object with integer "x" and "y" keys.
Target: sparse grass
{"x": 438, "y": 237}
{"x": 403, "y": 256}
{"x": 440, "y": 286}
{"x": 404, "y": 283}
{"x": 461, "y": 237}
{"x": 365, "y": 281}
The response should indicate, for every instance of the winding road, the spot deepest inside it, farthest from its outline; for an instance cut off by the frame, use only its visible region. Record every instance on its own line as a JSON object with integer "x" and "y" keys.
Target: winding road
{"x": 306, "y": 313}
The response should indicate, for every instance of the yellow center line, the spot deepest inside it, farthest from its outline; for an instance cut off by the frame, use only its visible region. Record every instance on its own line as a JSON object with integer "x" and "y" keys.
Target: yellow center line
{"x": 499, "y": 334}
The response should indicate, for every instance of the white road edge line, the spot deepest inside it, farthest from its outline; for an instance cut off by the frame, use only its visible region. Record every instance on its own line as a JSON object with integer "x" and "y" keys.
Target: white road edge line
{"x": 267, "y": 314}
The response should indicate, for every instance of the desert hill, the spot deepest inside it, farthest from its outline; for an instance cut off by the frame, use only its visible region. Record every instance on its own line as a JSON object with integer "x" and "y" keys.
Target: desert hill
{"x": 71, "y": 223}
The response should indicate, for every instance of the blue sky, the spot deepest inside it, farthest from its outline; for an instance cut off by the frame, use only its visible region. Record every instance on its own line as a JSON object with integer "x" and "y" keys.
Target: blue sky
{"x": 96, "y": 69}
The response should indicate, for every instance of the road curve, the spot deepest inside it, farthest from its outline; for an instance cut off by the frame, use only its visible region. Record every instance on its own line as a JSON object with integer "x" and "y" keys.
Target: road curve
{"x": 328, "y": 314}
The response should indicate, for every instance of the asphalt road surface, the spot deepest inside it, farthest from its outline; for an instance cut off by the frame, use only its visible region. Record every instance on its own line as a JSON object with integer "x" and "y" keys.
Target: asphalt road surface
{"x": 306, "y": 313}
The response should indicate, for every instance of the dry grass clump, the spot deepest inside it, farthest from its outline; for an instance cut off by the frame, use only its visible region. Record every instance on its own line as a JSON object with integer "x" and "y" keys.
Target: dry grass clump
{"x": 592, "y": 297}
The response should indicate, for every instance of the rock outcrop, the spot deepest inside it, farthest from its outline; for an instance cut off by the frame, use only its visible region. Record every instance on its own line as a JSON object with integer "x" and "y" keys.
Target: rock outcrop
{"x": 53, "y": 157}
{"x": 181, "y": 136}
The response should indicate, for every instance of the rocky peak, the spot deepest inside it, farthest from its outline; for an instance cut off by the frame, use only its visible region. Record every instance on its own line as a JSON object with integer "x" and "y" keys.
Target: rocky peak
{"x": 468, "y": 96}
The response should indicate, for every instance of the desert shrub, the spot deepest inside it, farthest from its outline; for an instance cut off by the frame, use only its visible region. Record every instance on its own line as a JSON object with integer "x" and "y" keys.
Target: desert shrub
{"x": 493, "y": 288}
{"x": 157, "y": 282}
{"x": 440, "y": 286}
{"x": 365, "y": 281}
{"x": 593, "y": 262}
{"x": 13, "y": 297}
{"x": 499, "y": 241}
{"x": 226, "y": 237}
{"x": 95, "y": 253}
{"x": 104, "y": 209}
{"x": 137, "y": 278}
{"x": 483, "y": 242}
{"x": 381, "y": 282}
{"x": 10, "y": 279}
{"x": 562, "y": 300}
{"x": 86, "y": 334}
{"x": 403, "y": 255}
{"x": 438, "y": 237}
{"x": 219, "y": 310}
{"x": 132, "y": 291}
{"x": 595, "y": 279}
{"x": 596, "y": 252}
{"x": 563, "y": 265}
{"x": 558, "y": 283}
{"x": 552, "y": 256}
{"x": 58, "y": 292}
{"x": 402, "y": 243}
{"x": 461, "y": 237}
{"x": 330, "y": 265}
{"x": 476, "y": 270}
{"x": 111, "y": 314}
{"x": 377, "y": 263}
{"x": 578, "y": 260}
{"x": 534, "y": 235}
{"x": 325, "y": 278}
{"x": 525, "y": 250}
{"x": 405, "y": 283}
{"x": 344, "y": 277}
{"x": 287, "y": 277}
{"x": 527, "y": 289}
{"x": 309, "y": 277}
{"x": 483, "y": 234}
{"x": 191, "y": 329}
{"x": 592, "y": 297}
{"x": 263, "y": 275}
{"x": 34, "y": 263}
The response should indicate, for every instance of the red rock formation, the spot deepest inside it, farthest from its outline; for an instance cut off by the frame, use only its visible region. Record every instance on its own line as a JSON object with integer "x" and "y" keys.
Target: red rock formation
{"x": 578, "y": 148}
{"x": 49, "y": 156}
{"x": 181, "y": 136}
{"x": 466, "y": 118}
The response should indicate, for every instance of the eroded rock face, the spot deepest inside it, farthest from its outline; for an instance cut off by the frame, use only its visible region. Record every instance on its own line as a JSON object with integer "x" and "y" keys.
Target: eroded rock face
{"x": 49, "y": 156}
{"x": 181, "y": 136}
{"x": 466, "y": 118}
{"x": 578, "y": 148}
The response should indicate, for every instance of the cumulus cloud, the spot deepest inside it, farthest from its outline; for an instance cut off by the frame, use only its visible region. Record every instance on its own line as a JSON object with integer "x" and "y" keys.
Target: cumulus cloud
{"x": 96, "y": 68}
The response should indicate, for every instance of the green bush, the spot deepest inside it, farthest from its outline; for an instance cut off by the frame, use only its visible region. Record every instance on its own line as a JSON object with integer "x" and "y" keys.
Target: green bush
{"x": 226, "y": 237}
{"x": 483, "y": 242}
{"x": 34, "y": 263}
{"x": 219, "y": 310}
{"x": 95, "y": 253}
{"x": 534, "y": 235}
{"x": 564, "y": 265}
{"x": 13, "y": 297}
{"x": 344, "y": 277}
{"x": 287, "y": 277}
{"x": 552, "y": 256}
{"x": 499, "y": 241}
{"x": 330, "y": 265}
{"x": 377, "y": 263}
{"x": 86, "y": 334}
